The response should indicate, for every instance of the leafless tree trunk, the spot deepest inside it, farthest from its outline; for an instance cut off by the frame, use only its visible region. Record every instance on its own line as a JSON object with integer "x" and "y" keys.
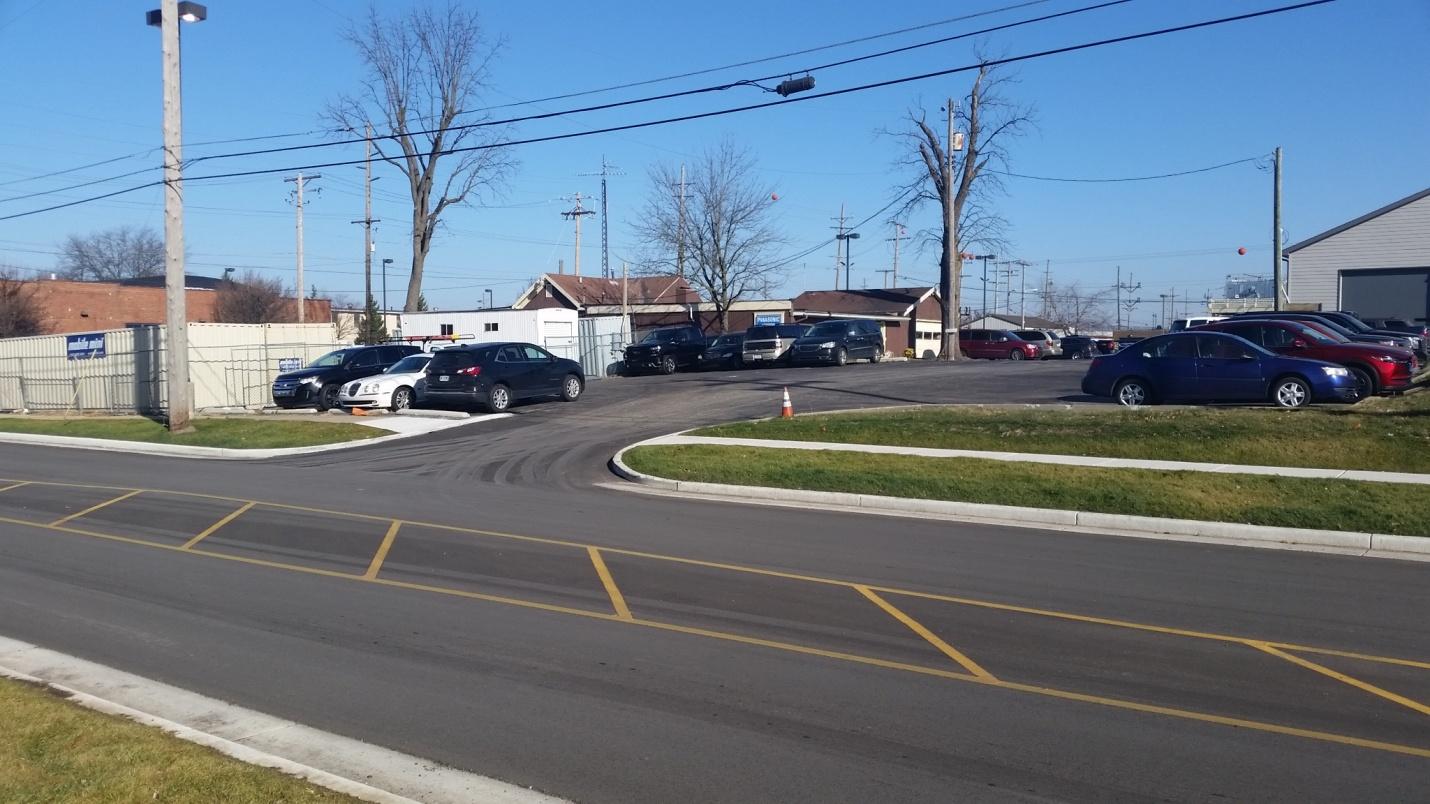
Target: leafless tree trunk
{"x": 964, "y": 186}
{"x": 253, "y": 300}
{"x": 123, "y": 252}
{"x": 424, "y": 68}
{"x": 19, "y": 312}
{"x": 729, "y": 238}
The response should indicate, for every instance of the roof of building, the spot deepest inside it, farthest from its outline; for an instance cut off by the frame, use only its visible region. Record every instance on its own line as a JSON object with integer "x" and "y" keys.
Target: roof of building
{"x": 191, "y": 281}
{"x": 1391, "y": 207}
{"x": 1027, "y": 321}
{"x": 867, "y": 301}
{"x": 583, "y": 291}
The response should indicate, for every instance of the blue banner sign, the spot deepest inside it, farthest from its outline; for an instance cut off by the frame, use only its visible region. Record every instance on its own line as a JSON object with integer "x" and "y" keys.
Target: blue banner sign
{"x": 84, "y": 347}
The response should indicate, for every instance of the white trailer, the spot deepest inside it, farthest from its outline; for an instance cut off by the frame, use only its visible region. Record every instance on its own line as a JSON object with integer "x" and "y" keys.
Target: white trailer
{"x": 553, "y": 328}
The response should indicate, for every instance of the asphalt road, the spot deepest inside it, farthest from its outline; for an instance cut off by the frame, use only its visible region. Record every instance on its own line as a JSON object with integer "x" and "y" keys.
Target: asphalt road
{"x": 471, "y": 597}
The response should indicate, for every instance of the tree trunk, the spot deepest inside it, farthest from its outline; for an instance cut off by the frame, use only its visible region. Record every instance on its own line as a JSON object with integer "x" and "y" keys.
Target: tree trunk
{"x": 419, "y": 258}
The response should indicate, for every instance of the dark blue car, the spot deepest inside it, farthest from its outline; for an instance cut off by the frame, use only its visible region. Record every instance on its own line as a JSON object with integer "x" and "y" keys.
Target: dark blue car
{"x": 1214, "y": 367}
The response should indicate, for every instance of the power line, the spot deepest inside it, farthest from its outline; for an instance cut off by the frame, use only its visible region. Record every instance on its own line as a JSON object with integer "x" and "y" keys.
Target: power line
{"x": 733, "y": 110}
{"x": 1133, "y": 178}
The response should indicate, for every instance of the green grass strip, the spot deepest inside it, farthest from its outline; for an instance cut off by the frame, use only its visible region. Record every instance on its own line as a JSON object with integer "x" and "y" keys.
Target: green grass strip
{"x": 1379, "y": 434}
{"x": 247, "y": 433}
{"x": 1253, "y": 499}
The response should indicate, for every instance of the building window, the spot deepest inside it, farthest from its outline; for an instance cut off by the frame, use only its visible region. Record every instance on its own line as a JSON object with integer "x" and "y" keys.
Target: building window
{"x": 446, "y": 330}
{"x": 490, "y": 326}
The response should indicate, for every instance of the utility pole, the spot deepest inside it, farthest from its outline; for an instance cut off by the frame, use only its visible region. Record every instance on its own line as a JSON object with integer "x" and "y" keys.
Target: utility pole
{"x": 1022, "y": 293}
{"x": 575, "y": 214}
{"x": 886, "y": 272}
{"x": 298, "y": 182}
{"x": 680, "y": 227}
{"x": 898, "y": 235}
{"x": 176, "y": 350}
{"x": 1047, "y": 286}
{"x": 1165, "y": 297}
{"x": 1130, "y": 304}
{"x": 367, "y": 222}
{"x": 625, "y": 303}
{"x": 838, "y": 242}
{"x": 606, "y": 170}
{"x": 949, "y": 279}
{"x": 1276, "y": 255}
{"x": 1008, "y": 285}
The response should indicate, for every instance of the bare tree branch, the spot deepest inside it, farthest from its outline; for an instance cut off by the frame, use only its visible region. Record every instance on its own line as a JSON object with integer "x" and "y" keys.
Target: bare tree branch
{"x": 123, "y": 252}
{"x": 253, "y": 299}
{"x": 20, "y": 314}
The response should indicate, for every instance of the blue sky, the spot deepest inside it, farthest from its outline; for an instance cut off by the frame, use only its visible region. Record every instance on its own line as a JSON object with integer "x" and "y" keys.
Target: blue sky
{"x": 1340, "y": 87}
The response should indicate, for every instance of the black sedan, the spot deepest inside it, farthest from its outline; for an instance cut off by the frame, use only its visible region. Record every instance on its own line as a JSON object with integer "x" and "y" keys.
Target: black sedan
{"x": 495, "y": 375}
{"x": 1079, "y": 347}
{"x": 724, "y": 352}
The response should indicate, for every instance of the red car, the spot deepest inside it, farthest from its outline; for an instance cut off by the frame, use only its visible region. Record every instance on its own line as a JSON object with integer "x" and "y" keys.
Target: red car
{"x": 996, "y": 344}
{"x": 1376, "y": 369}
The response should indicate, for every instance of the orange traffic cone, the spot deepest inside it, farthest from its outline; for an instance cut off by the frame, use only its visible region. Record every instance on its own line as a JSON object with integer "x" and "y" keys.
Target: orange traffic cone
{"x": 357, "y": 412}
{"x": 787, "y": 408}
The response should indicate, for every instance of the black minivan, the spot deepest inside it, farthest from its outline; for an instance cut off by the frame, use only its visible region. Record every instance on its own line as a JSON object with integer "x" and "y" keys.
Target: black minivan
{"x": 318, "y": 384}
{"x": 494, "y": 375}
{"x": 838, "y": 342}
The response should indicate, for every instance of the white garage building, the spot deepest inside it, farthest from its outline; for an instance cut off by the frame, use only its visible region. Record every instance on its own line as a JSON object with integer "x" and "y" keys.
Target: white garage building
{"x": 552, "y": 328}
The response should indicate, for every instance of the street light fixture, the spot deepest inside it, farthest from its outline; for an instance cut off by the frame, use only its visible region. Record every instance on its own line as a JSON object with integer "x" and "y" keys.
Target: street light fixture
{"x": 488, "y": 291}
{"x": 846, "y": 236}
{"x": 176, "y": 350}
{"x": 985, "y": 257}
{"x": 386, "y": 261}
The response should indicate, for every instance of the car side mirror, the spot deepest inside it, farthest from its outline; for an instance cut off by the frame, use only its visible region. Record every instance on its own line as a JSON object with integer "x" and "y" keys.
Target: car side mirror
{"x": 1002, "y": 340}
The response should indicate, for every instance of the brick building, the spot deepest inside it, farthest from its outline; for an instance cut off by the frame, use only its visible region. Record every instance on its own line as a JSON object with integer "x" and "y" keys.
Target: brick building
{"x": 67, "y": 306}
{"x": 909, "y": 317}
{"x": 651, "y": 301}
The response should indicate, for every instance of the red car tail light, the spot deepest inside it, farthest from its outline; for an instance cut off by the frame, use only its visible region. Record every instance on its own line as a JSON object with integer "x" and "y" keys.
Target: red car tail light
{"x": 470, "y": 371}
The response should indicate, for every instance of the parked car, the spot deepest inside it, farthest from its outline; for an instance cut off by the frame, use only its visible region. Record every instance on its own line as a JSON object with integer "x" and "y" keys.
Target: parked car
{"x": 1105, "y": 346}
{"x": 724, "y": 352}
{"x": 496, "y": 375}
{"x": 1420, "y": 331}
{"x": 1376, "y": 369}
{"x": 1207, "y": 366}
{"x": 838, "y": 342}
{"x": 996, "y": 344}
{"x": 1048, "y": 342}
{"x": 1183, "y": 324}
{"x": 666, "y": 350}
{"x": 1401, "y": 341}
{"x": 770, "y": 344}
{"x": 320, "y": 383}
{"x": 391, "y": 389}
{"x": 1080, "y": 347}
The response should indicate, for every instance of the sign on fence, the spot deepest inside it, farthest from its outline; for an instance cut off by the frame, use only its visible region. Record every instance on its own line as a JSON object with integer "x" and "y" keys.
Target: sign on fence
{"x": 84, "y": 347}
{"x": 289, "y": 364}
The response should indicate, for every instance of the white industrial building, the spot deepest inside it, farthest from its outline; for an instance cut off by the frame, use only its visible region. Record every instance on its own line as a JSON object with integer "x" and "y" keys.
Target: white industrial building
{"x": 491, "y": 325}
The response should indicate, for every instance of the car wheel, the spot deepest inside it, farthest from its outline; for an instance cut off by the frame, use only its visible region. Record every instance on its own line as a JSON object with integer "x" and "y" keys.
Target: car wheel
{"x": 401, "y": 399}
{"x": 1365, "y": 383}
{"x": 667, "y": 365}
{"x": 840, "y": 356}
{"x": 571, "y": 388}
{"x": 1075, "y": 356}
{"x": 1132, "y": 393}
{"x": 1016, "y": 354}
{"x": 878, "y": 354}
{"x": 1291, "y": 392}
{"x": 498, "y": 398}
{"x": 328, "y": 397}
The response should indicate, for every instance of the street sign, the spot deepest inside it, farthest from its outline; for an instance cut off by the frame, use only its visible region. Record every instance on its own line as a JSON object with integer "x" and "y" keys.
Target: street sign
{"x": 289, "y": 364}
{"x": 85, "y": 346}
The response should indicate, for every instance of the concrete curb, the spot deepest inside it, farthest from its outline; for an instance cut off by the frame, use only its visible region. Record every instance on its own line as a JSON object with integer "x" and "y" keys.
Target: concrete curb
{"x": 1355, "y": 543}
{"x": 253, "y": 733}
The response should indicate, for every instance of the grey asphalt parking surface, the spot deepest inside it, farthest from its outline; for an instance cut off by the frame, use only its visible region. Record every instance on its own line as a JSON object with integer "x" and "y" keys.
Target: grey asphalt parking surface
{"x": 471, "y": 597}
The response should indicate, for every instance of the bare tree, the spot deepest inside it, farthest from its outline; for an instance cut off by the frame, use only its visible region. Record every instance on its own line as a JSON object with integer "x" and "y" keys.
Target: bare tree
{"x": 727, "y": 233}
{"x": 123, "y": 252}
{"x": 20, "y": 314}
{"x": 964, "y": 185}
{"x": 424, "y": 68}
{"x": 1078, "y": 310}
{"x": 253, "y": 299}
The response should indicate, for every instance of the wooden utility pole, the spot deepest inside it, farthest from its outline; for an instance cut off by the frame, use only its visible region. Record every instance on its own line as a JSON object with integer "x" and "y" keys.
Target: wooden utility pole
{"x": 898, "y": 236}
{"x": 298, "y": 182}
{"x": 367, "y": 221}
{"x": 839, "y": 241}
{"x": 575, "y": 214}
{"x": 176, "y": 335}
{"x": 680, "y": 227}
{"x": 1276, "y": 255}
{"x": 952, "y": 262}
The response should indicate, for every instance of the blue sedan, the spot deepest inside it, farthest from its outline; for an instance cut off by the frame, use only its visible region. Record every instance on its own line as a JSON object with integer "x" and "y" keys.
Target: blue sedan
{"x": 1214, "y": 367}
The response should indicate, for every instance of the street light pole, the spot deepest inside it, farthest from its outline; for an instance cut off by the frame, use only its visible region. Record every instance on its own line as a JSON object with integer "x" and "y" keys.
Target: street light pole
{"x": 176, "y": 351}
{"x": 489, "y": 298}
{"x": 386, "y": 261}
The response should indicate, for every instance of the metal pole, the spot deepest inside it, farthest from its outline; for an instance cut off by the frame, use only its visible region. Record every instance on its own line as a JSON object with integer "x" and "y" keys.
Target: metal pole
{"x": 1023, "y": 295}
{"x": 176, "y": 355}
{"x": 983, "y": 311}
{"x": 367, "y": 231}
{"x": 1276, "y": 277}
{"x": 1118, "y": 301}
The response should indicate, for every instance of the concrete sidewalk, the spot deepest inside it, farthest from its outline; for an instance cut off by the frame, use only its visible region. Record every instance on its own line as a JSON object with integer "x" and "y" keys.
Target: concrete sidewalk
{"x": 1059, "y": 460}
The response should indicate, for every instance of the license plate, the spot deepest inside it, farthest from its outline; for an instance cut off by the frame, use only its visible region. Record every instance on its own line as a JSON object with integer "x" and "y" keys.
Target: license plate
{"x": 288, "y": 392}
{"x": 755, "y": 357}
{"x": 443, "y": 378}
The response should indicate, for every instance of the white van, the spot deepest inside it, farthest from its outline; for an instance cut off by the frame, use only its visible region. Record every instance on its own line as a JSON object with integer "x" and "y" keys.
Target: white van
{"x": 1190, "y": 323}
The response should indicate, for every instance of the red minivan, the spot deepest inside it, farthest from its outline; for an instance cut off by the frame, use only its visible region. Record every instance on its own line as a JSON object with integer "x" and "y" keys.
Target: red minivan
{"x": 996, "y": 344}
{"x": 1377, "y": 369}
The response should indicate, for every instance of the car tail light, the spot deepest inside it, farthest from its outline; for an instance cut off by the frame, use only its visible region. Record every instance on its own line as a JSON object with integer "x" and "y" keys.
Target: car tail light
{"x": 470, "y": 371}
{"x": 1095, "y": 362}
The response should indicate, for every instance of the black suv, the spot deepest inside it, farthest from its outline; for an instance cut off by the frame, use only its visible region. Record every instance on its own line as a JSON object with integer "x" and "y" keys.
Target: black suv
{"x": 838, "y": 342}
{"x": 665, "y": 350}
{"x": 319, "y": 383}
{"x": 494, "y": 375}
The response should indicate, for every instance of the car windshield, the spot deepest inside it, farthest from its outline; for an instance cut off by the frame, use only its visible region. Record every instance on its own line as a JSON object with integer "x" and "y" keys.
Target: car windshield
{"x": 330, "y": 359}
{"x": 1314, "y": 334}
{"x": 1352, "y": 323}
{"x": 662, "y": 336}
{"x": 761, "y": 333}
{"x": 409, "y": 364}
{"x": 1030, "y": 335}
{"x": 827, "y": 329}
{"x": 725, "y": 340}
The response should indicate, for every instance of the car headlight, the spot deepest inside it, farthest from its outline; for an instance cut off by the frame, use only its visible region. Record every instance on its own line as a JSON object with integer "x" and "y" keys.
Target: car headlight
{"x": 1335, "y": 371}
{"x": 827, "y": 345}
{"x": 1383, "y": 358}
{"x": 313, "y": 380}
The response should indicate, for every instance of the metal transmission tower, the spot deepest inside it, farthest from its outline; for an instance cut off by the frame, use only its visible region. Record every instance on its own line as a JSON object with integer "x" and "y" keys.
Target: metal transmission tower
{"x": 606, "y": 170}
{"x": 297, "y": 200}
{"x": 1130, "y": 304}
{"x": 575, "y": 214}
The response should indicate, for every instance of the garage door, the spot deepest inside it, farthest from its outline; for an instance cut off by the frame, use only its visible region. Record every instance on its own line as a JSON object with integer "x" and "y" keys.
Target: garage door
{"x": 1387, "y": 293}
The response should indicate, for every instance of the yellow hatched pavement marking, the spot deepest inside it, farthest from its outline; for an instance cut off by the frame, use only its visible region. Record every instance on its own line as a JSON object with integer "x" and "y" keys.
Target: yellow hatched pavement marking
{"x": 929, "y": 636}
{"x": 93, "y": 508}
{"x": 1342, "y": 677}
{"x": 618, "y": 600}
{"x": 209, "y": 531}
{"x": 381, "y": 554}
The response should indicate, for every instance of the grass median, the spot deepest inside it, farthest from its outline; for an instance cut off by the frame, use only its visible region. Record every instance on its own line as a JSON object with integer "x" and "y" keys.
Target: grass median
{"x": 1252, "y": 499}
{"x": 55, "y": 750}
{"x": 248, "y": 433}
{"x": 1391, "y": 434}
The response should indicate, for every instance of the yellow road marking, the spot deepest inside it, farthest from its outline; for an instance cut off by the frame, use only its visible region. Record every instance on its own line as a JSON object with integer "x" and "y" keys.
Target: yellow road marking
{"x": 988, "y": 604}
{"x": 929, "y": 636}
{"x": 15, "y": 485}
{"x": 1272, "y": 728}
{"x": 381, "y": 554}
{"x": 618, "y": 600}
{"x": 209, "y": 531}
{"x": 1342, "y": 677}
{"x": 94, "y": 508}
